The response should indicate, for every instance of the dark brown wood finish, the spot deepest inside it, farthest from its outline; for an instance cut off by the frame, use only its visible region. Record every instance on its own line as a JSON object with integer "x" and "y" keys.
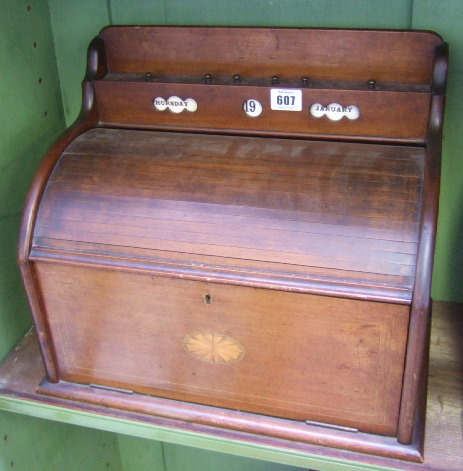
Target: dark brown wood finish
{"x": 385, "y": 115}
{"x": 267, "y": 200}
{"x": 86, "y": 120}
{"x": 281, "y": 432}
{"x": 336, "y": 64}
{"x": 274, "y": 239}
{"x": 324, "y": 54}
{"x": 23, "y": 370}
{"x": 361, "y": 343}
{"x": 421, "y": 306}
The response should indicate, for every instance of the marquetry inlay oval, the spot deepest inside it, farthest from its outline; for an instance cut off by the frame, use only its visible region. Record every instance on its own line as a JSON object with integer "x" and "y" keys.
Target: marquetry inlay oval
{"x": 213, "y": 347}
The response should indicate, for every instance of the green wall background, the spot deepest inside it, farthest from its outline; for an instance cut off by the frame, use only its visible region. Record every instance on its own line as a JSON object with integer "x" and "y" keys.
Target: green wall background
{"x": 31, "y": 117}
{"x": 42, "y": 54}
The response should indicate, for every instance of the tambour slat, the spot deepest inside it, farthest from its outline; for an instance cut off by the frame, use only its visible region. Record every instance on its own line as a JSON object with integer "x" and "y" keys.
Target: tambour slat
{"x": 292, "y": 202}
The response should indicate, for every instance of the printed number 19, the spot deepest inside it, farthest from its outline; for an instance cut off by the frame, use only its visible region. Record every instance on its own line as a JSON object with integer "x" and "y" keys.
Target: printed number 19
{"x": 252, "y": 107}
{"x": 286, "y": 100}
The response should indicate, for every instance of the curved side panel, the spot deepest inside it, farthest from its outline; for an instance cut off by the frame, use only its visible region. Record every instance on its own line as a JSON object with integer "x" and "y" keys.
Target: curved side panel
{"x": 25, "y": 241}
{"x": 87, "y": 119}
{"x": 414, "y": 382}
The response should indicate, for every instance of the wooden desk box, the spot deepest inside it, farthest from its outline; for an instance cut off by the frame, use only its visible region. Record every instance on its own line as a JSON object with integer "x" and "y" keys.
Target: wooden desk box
{"x": 238, "y": 231}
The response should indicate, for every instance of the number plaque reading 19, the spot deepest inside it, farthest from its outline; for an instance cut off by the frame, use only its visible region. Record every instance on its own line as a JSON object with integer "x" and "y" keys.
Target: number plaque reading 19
{"x": 252, "y": 108}
{"x": 285, "y": 99}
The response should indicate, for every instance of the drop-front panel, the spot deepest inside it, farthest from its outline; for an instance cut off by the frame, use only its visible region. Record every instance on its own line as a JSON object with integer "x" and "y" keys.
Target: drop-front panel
{"x": 303, "y": 357}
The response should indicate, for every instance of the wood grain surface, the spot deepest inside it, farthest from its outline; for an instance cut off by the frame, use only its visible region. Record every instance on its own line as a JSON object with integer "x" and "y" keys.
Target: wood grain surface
{"x": 22, "y": 372}
{"x": 386, "y": 74}
{"x": 260, "y": 52}
{"x": 338, "y": 361}
{"x": 384, "y": 115}
{"x": 348, "y": 210}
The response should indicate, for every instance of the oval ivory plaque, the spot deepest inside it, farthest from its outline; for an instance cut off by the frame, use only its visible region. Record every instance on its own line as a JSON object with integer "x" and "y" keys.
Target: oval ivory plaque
{"x": 175, "y": 104}
{"x": 213, "y": 347}
{"x": 334, "y": 111}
